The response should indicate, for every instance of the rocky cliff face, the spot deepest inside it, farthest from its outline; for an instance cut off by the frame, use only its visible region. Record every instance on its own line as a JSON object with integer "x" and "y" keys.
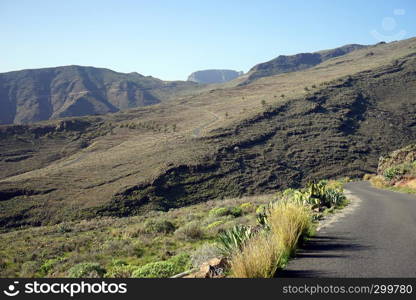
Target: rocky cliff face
{"x": 42, "y": 94}
{"x": 403, "y": 156}
{"x": 213, "y": 76}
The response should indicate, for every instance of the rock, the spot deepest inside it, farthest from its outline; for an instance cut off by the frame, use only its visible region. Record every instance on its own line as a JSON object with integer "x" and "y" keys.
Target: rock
{"x": 213, "y": 76}
{"x": 214, "y": 268}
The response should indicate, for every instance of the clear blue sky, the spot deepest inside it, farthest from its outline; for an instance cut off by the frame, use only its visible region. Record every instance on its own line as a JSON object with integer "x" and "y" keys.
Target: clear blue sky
{"x": 170, "y": 39}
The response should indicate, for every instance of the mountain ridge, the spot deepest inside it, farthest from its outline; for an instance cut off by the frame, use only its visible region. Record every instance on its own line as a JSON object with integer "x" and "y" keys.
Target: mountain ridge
{"x": 32, "y": 95}
{"x": 297, "y": 62}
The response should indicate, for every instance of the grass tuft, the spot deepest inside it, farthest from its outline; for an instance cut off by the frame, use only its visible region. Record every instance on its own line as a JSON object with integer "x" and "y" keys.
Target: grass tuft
{"x": 260, "y": 258}
{"x": 289, "y": 220}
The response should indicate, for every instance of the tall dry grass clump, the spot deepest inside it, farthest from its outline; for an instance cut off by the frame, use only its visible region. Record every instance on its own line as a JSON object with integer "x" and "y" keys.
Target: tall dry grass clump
{"x": 378, "y": 181}
{"x": 289, "y": 220}
{"x": 263, "y": 254}
{"x": 260, "y": 257}
{"x": 367, "y": 177}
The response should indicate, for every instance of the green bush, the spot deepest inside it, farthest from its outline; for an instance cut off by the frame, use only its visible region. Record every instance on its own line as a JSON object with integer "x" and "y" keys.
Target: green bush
{"x": 48, "y": 266}
{"x": 189, "y": 232}
{"x": 334, "y": 198}
{"x": 64, "y": 227}
{"x": 391, "y": 173}
{"x": 163, "y": 269}
{"x": 236, "y": 212}
{"x": 159, "y": 226}
{"x": 215, "y": 224}
{"x": 181, "y": 261}
{"x": 247, "y": 207}
{"x": 121, "y": 271}
{"x": 118, "y": 263}
{"x": 219, "y": 212}
{"x": 86, "y": 270}
{"x": 226, "y": 211}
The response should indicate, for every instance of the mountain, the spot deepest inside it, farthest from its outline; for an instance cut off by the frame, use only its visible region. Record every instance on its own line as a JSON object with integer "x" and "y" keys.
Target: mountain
{"x": 213, "y": 76}
{"x": 301, "y": 61}
{"x": 331, "y": 120}
{"x": 42, "y": 94}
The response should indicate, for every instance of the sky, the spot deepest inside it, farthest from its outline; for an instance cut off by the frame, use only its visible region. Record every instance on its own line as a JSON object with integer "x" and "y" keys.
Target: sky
{"x": 170, "y": 39}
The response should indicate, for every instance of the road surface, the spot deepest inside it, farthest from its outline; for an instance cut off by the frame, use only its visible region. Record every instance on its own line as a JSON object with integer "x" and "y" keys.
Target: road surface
{"x": 376, "y": 239}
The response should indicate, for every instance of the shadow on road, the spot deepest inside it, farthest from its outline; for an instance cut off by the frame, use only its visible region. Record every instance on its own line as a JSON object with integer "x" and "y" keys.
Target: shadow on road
{"x": 317, "y": 248}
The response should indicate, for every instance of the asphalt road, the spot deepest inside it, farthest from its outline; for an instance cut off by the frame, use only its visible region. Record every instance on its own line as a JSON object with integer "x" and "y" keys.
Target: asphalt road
{"x": 376, "y": 239}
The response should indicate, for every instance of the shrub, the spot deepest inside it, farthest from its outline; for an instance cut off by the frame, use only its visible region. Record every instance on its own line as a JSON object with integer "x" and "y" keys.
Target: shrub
{"x": 121, "y": 271}
{"x": 163, "y": 269}
{"x": 160, "y": 226}
{"x": 203, "y": 254}
{"x": 48, "y": 266}
{"x": 367, "y": 177}
{"x": 189, "y": 232}
{"x": 160, "y": 269}
{"x": 391, "y": 173}
{"x": 261, "y": 209}
{"x": 219, "y": 212}
{"x": 378, "y": 181}
{"x": 64, "y": 227}
{"x": 259, "y": 258}
{"x": 118, "y": 263}
{"x": 334, "y": 197}
{"x": 181, "y": 261}
{"x": 290, "y": 220}
{"x": 247, "y": 207}
{"x": 29, "y": 269}
{"x": 236, "y": 212}
{"x": 233, "y": 239}
{"x": 215, "y": 224}
{"x": 86, "y": 270}
{"x": 337, "y": 184}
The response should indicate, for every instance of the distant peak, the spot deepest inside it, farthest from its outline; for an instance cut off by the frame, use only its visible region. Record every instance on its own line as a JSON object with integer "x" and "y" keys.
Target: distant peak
{"x": 214, "y": 76}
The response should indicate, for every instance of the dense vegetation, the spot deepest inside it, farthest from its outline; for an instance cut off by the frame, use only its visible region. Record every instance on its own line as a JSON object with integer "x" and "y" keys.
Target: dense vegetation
{"x": 162, "y": 244}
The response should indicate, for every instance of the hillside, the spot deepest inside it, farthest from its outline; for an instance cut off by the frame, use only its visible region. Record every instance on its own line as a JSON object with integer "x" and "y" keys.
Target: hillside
{"x": 213, "y": 76}
{"x": 334, "y": 119}
{"x": 42, "y": 94}
{"x": 396, "y": 170}
{"x": 301, "y": 61}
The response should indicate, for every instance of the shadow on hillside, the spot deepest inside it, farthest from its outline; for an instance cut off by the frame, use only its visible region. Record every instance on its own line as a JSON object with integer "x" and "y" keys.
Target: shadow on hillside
{"x": 309, "y": 257}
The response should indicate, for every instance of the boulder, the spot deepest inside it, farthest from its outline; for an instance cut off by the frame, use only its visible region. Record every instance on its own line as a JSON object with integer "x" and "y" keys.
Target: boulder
{"x": 214, "y": 268}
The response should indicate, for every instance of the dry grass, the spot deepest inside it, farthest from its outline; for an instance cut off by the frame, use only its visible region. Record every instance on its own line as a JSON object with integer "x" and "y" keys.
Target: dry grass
{"x": 367, "y": 177}
{"x": 289, "y": 220}
{"x": 264, "y": 254}
{"x": 411, "y": 184}
{"x": 260, "y": 258}
{"x": 378, "y": 181}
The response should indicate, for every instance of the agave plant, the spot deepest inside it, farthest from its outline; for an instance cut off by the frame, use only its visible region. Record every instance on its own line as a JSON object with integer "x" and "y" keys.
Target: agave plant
{"x": 234, "y": 239}
{"x": 262, "y": 220}
{"x": 334, "y": 197}
{"x": 305, "y": 198}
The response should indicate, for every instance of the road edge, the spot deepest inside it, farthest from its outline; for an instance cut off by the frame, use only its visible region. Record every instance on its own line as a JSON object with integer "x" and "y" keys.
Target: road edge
{"x": 354, "y": 203}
